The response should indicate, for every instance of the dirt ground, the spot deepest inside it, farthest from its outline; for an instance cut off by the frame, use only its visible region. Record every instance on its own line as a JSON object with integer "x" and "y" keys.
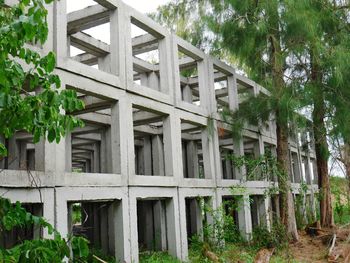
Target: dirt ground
{"x": 316, "y": 249}
{"x": 309, "y": 249}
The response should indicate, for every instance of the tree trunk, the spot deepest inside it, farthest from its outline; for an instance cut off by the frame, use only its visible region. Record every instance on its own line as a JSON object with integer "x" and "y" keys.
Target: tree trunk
{"x": 287, "y": 211}
{"x": 321, "y": 146}
{"x": 321, "y": 149}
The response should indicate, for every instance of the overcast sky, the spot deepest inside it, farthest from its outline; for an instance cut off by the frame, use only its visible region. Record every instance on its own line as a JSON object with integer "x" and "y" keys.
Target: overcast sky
{"x": 144, "y": 6}
{"x": 102, "y": 32}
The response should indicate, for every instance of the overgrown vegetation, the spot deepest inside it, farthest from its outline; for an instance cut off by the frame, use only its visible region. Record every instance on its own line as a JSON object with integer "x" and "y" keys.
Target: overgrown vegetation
{"x": 157, "y": 257}
{"x": 40, "y": 250}
{"x": 341, "y": 201}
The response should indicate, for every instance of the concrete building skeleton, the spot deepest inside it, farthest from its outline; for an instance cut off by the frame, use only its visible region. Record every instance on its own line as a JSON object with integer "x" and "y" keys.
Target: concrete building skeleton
{"x": 153, "y": 142}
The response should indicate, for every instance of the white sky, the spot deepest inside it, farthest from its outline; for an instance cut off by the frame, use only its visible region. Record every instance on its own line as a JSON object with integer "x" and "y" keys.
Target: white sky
{"x": 144, "y": 6}
{"x": 102, "y": 32}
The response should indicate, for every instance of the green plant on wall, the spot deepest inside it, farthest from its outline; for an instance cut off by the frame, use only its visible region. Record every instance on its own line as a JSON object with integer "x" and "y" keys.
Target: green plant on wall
{"x": 300, "y": 206}
{"x": 257, "y": 168}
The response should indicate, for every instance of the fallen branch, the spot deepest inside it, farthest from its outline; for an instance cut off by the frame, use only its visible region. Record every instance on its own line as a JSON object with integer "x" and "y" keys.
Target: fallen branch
{"x": 98, "y": 259}
{"x": 333, "y": 244}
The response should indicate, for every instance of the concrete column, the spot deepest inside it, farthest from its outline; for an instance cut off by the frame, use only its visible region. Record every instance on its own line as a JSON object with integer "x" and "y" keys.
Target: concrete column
{"x": 210, "y": 96}
{"x": 104, "y": 227}
{"x": 88, "y": 166}
{"x": 245, "y": 218}
{"x": 309, "y": 170}
{"x": 232, "y": 92}
{"x": 60, "y": 29}
{"x": 172, "y": 222}
{"x": 229, "y": 169}
{"x": 38, "y": 211}
{"x": 69, "y": 220}
{"x": 115, "y": 157}
{"x": 104, "y": 151}
{"x": 187, "y": 94}
{"x": 160, "y": 226}
{"x": 31, "y": 158}
{"x": 238, "y": 149}
{"x": 254, "y": 207}
{"x": 146, "y": 217}
{"x": 13, "y": 153}
{"x": 263, "y": 208}
{"x": 147, "y": 155}
{"x": 313, "y": 203}
{"x": 165, "y": 69}
{"x": 259, "y": 150}
{"x": 96, "y": 224}
{"x": 91, "y": 156}
{"x": 96, "y": 157}
{"x": 215, "y": 155}
{"x": 68, "y": 157}
{"x": 113, "y": 221}
{"x": 208, "y": 150}
{"x": 196, "y": 218}
{"x": 175, "y": 69}
{"x": 139, "y": 161}
{"x": 192, "y": 159}
{"x": 158, "y": 155}
{"x": 296, "y": 168}
{"x": 170, "y": 146}
{"x": 184, "y": 158}
{"x": 118, "y": 33}
{"x": 153, "y": 81}
{"x": 118, "y": 223}
{"x": 109, "y": 148}
{"x": 204, "y": 95}
{"x": 104, "y": 63}
{"x": 144, "y": 79}
{"x": 22, "y": 155}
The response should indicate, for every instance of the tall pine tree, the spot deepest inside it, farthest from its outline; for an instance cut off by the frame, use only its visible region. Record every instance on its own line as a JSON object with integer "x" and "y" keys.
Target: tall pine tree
{"x": 296, "y": 49}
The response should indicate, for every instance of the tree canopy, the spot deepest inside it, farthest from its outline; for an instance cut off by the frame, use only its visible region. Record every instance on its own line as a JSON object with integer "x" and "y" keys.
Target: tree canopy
{"x": 298, "y": 50}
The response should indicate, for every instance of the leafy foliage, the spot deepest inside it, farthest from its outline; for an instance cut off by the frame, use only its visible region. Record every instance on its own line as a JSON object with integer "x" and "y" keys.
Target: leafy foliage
{"x": 157, "y": 257}
{"x": 340, "y": 198}
{"x": 40, "y": 250}
{"x": 30, "y": 98}
{"x": 275, "y": 238}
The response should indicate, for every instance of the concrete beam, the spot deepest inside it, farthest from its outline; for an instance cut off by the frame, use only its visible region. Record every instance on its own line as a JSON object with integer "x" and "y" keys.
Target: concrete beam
{"x": 86, "y": 18}
{"x": 144, "y": 43}
{"x": 89, "y": 44}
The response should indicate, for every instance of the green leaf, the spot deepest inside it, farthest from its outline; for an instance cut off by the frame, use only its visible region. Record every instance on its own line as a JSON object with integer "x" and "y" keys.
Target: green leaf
{"x": 51, "y": 136}
{"x": 51, "y": 61}
{"x": 80, "y": 247}
{"x": 3, "y": 150}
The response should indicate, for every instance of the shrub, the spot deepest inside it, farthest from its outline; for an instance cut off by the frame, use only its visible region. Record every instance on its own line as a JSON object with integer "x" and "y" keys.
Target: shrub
{"x": 276, "y": 238}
